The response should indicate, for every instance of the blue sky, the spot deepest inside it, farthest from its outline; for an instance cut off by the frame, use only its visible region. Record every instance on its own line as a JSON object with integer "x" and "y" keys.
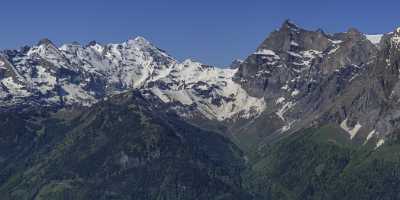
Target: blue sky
{"x": 212, "y": 31}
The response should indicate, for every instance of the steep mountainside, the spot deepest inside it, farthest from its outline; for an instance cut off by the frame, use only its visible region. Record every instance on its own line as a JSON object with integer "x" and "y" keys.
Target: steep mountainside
{"x": 120, "y": 149}
{"x": 308, "y": 115}
{"x": 310, "y": 77}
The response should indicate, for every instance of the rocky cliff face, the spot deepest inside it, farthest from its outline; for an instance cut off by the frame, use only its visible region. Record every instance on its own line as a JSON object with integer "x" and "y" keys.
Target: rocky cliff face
{"x": 310, "y": 77}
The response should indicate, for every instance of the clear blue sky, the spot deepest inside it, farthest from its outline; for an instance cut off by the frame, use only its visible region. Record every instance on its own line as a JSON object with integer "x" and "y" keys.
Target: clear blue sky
{"x": 212, "y": 31}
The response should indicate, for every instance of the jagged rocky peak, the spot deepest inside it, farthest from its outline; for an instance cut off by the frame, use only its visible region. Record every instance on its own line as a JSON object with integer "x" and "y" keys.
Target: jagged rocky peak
{"x": 46, "y": 42}
{"x": 289, "y": 25}
{"x": 46, "y": 49}
{"x": 291, "y": 37}
{"x": 351, "y": 48}
{"x": 386, "y": 68}
{"x": 297, "y": 45}
{"x": 380, "y": 94}
{"x": 294, "y": 67}
{"x": 354, "y": 32}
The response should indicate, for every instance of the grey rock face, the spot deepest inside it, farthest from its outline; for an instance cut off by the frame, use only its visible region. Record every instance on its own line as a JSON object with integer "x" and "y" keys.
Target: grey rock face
{"x": 282, "y": 39}
{"x": 308, "y": 77}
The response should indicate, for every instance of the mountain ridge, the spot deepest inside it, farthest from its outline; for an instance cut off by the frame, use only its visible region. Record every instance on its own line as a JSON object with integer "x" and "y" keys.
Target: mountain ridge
{"x": 74, "y": 74}
{"x": 307, "y": 115}
{"x": 81, "y": 75}
{"x": 309, "y": 77}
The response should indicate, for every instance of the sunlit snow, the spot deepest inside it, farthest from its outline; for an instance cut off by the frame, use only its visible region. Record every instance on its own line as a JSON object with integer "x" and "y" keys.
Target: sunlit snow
{"x": 351, "y": 130}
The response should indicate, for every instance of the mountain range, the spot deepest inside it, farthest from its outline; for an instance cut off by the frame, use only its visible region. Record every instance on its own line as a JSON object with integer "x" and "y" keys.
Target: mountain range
{"x": 308, "y": 115}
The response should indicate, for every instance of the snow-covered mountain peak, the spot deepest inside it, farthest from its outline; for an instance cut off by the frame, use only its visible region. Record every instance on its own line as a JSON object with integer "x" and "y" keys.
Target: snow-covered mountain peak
{"x": 42, "y": 46}
{"x": 82, "y": 75}
{"x": 141, "y": 41}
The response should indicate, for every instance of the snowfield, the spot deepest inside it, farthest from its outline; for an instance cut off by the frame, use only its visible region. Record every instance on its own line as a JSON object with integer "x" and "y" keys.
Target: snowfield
{"x": 82, "y": 75}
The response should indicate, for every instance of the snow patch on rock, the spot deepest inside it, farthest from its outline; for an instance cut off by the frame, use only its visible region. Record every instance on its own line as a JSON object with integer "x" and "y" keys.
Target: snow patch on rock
{"x": 379, "y": 143}
{"x": 375, "y": 39}
{"x": 352, "y": 131}
{"x": 268, "y": 53}
{"x": 280, "y": 100}
{"x": 286, "y": 107}
{"x": 211, "y": 89}
{"x": 295, "y": 93}
{"x": 370, "y": 135}
{"x": 14, "y": 88}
